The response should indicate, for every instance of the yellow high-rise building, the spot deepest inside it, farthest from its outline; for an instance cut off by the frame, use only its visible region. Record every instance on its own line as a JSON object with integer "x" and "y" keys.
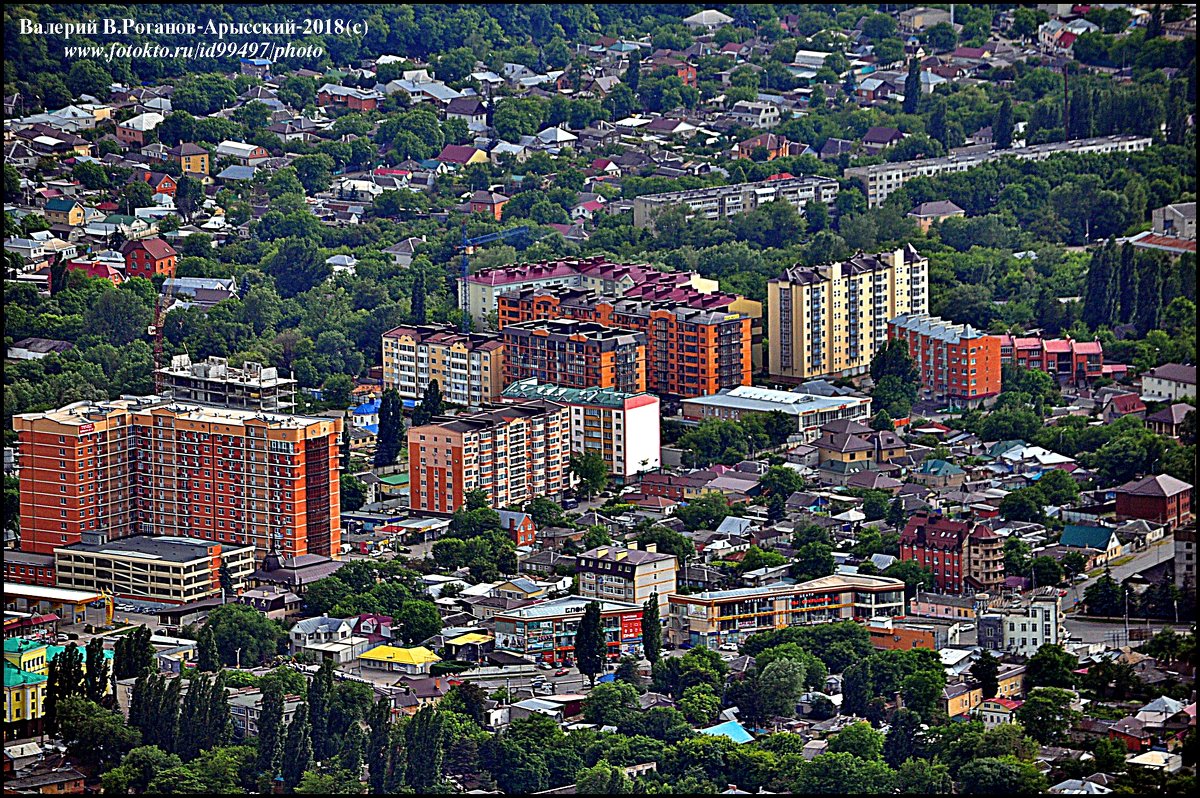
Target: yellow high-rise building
{"x": 829, "y": 320}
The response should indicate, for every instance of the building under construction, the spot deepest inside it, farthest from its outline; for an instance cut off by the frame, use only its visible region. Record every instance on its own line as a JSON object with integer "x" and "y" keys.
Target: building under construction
{"x": 215, "y": 382}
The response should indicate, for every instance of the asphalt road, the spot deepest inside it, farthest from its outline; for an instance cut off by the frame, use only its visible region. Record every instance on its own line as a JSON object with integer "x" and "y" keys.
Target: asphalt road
{"x": 1156, "y": 553}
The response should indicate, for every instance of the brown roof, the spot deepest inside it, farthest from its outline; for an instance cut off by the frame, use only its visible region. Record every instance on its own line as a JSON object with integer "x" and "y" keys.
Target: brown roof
{"x": 156, "y": 247}
{"x": 1176, "y": 373}
{"x": 1160, "y": 485}
{"x": 1171, "y": 415}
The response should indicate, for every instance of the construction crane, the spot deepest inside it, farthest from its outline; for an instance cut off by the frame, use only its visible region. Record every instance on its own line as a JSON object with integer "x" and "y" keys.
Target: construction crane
{"x": 165, "y": 297}
{"x": 468, "y": 247}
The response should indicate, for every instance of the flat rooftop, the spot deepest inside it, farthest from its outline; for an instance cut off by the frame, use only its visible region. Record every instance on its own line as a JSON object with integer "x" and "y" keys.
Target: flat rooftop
{"x": 753, "y": 398}
{"x": 144, "y": 547}
{"x": 87, "y": 412}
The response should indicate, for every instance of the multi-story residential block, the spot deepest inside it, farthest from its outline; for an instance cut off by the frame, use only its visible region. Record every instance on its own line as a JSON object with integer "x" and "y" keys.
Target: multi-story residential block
{"x": 144, "y": 465}
{"x": 623, "y": 428}
{"x": 1023, "y": 626}
{"x": 720, "y": 202}
{"x": 575, "y": 354}
{"x": 964, "y": 556}
{"x": 1065, "y": 359}
{"x": 1169, "y": 382}
{"x": 214, "y": 382}
{"x": 1162, "y": 499}
{"x": 167, "y": 570}
{"x": 468, "y": 367}
{"x": 627, "y": 574}
{"x": 830, "y": 319}
{"x": 719, "y": 617}
{"x": 881, "y": 180}
{"x": 512, "y": 453}
{"x": 149, "y": 257}
{"x": 957, "y": 362}
{"x": 811, "y": 412}
{"x": 628, "y": 280}
{"x": 690, "y": 351}
{"x": 546, "y": 630}
{"x": 245, "y": 707}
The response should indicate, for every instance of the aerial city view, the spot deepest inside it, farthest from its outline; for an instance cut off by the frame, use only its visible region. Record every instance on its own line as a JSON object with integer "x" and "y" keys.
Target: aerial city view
{"x": 599, "y": 399}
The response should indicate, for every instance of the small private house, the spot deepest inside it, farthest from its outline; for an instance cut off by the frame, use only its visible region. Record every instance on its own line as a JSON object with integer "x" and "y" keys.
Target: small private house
{"x": 412, "y": 661}
{"x": 1101, "y": 538}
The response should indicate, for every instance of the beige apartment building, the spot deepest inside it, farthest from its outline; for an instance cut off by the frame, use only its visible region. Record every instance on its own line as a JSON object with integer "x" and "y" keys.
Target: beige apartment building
{"x": 830, "y": 319}
{"x": 720, "y": 617}
{"x": 468, "y": 367}
{"x": 631, "y": 574}
{"x": 166, "y": 569}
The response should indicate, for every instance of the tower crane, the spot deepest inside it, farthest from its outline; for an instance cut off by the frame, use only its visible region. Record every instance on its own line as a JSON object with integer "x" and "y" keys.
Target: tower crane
{"x": 165, "y": 297}
{"x": 468, "y": 248}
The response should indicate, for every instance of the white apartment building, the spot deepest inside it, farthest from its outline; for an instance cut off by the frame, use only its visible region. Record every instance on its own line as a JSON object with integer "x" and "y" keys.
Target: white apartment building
{"x": 719, "y": 202}
{"x": 880, "y": 180}
{"x": 1024, "y": 627}
{"x": 623, "y": 428}
{"x": 627, "y": 574}
{"x": 830, "y": 319}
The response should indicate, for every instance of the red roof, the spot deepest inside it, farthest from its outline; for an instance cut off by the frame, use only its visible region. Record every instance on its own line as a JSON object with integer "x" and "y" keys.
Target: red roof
{"x": 1058, "y": 345}
{"x": 1007, "y": 703}
{"x": 156, "y": 247}
{"x": 1128, "y": 403}
{"x": 456, "y": 153}
{"x": 1088, "y": 348}
{"x": 1067, "y": 39}
{"x": 781, "y": 176}
{"x": 593, "y": 205}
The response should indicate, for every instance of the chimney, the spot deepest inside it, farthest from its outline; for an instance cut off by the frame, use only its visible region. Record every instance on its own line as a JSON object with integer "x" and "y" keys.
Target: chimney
{"x": 652, "y": 548}
{"x": 633, "y": 544}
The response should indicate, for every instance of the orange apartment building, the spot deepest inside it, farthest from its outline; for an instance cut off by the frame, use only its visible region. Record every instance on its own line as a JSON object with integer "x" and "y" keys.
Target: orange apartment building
{"x": 147, "y": 466}
{"x": 575, "y": 354}
{"x": 957, "y": 363}
{"x": 690, "y": 351}
{"x": 511, "y": 453}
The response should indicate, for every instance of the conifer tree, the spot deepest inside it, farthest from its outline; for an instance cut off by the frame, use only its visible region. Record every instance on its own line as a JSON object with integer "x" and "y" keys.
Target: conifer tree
{"x": 351, "y": 755}
{"x": 379, "y": 744}
{"x": 319, "y": 690}
{"x": 96, "y": 675}
{"x": 391, "y": 428}
{"x": 590, "y": 647}
{"x": 912, "y": 86}
{"x": 418, "y": 314}
{"x": 425, "y": 748}
{"x": 651, "y": 629}
{"x": 270, "y": 729}
{"x": 208, "y": 658}
{"x": 1002, "y": 128}
{"x": 297, "y": 749}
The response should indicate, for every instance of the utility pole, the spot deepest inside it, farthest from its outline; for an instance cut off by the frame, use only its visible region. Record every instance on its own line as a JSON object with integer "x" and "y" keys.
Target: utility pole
{"x": 238, "y": 653}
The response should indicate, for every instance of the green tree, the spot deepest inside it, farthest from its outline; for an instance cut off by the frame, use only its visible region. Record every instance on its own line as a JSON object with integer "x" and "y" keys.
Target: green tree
{"x": 592, "y": 471}
{"x": 842, "y": 773}
{"x": 986, "y": 671}
{"x": 858, "y": 739}
{"x": 425, "y": 745}
{"x": 297, "y": 749}
{"x": 391, "y": 428}
{"x": 1058, "y": 487}
{"x": 1002, "y": 126}
{"x": 651, "y": 630}
{"x": 1023, "y": 504}
{"x": 1047, "y": 714}
{"x": 603, "y": 779}
{"x": 97, "y": 737}
{"x": 590, "y": 647}
{"x": 138, "y": 769}
{"x": 1000, "y": 776}
{"x": 96, "y": 674}
{"x": 924, "y": 777}
{"x": 700, "y": 705}
{"x": 610, "y": 704}
{"x": 208, "y": 658}
{"x": 912, "y": 86}
{"x": 240, "y": 628}
{"x": 781, "y": 481}
{"x": 270, "y": 729}
{"x": 431, "y": 405}
{"x": 1051, "y": 666}
{"x": 319, "y": 689}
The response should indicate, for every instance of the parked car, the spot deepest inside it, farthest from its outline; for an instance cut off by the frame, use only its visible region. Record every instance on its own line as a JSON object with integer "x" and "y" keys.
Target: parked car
{"x": 569, "y": 504}
{"x": 545, "y": 666}
{"x": 1081, "y": 577}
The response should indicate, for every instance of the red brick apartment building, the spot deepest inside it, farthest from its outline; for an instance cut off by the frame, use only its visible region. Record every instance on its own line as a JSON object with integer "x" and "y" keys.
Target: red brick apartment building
{"x": 690, "y": 351}
{"x": 957, "y": 362}
{"x": 575, "y": 354}
{"x": 964, "y": 556}
{"x": 1063, "y": 358}
{"x": 146, "y": 257}
{"x": 151, "y": 467}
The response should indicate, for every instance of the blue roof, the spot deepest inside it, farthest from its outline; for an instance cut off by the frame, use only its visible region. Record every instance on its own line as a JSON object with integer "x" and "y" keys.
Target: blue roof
{"x": 367, "y": 408}
{"x": 608, "y": 677}
{"x": 371, "y": 428}
{"x": 1091, "y": 537}
{"x": 731, "y": 729}
{"x": 237, "y": 173}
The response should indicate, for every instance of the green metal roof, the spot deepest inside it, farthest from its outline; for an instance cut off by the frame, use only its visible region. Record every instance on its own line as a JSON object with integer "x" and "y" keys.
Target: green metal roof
{"x": 15, "y": 677}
